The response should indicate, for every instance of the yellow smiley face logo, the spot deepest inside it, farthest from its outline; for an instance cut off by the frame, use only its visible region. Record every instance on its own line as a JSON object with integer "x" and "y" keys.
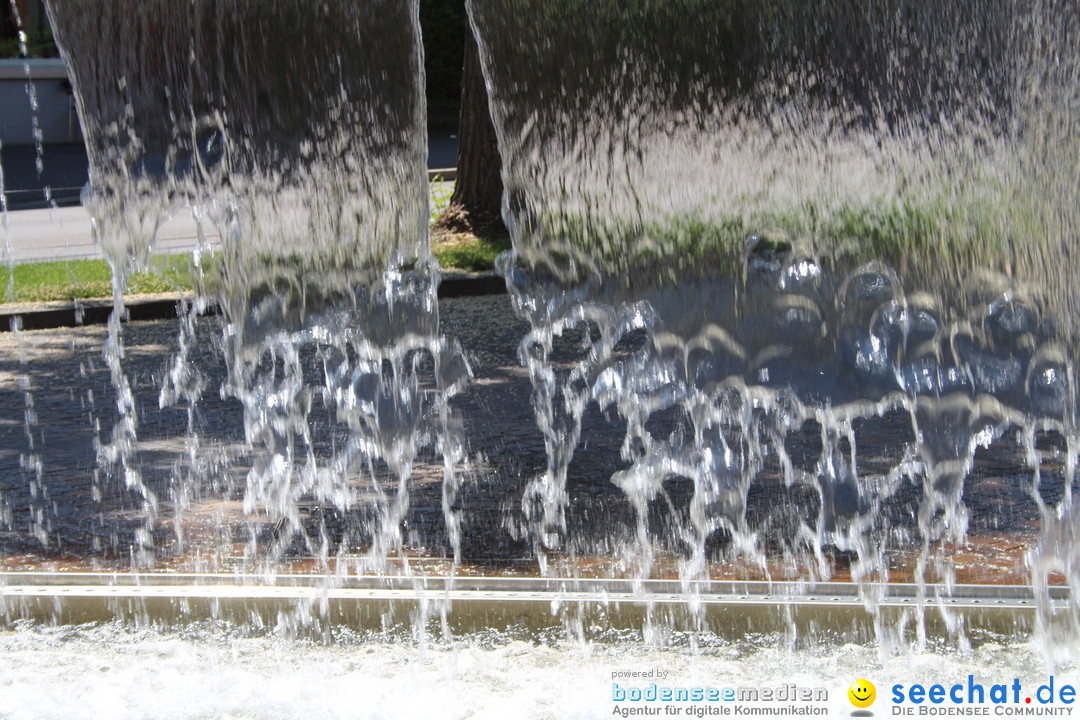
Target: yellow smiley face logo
{"x": 862, "y": 693}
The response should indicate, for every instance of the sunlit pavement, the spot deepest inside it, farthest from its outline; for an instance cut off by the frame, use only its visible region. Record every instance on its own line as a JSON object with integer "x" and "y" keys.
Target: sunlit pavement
{"x": 59, "y": 228}
{"x": 66, "y": 233}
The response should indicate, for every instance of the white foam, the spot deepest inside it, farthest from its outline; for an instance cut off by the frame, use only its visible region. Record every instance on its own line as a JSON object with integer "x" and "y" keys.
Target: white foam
{"x": 112, "y": 672}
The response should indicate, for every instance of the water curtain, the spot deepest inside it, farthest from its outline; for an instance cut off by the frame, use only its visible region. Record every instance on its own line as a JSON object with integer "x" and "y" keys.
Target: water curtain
{"x": 811, "y": 256}
{"x": 294, "y": 133}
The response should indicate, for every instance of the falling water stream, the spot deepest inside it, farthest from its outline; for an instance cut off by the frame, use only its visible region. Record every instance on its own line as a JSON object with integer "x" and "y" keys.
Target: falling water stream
{"x": 776, "y": 218}
{"x": 794, "y": 307}
{"x": 302, "y": 147}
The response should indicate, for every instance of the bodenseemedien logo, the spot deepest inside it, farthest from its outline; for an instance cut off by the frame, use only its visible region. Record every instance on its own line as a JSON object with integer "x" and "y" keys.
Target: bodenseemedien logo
{"x": 700, "y": 701}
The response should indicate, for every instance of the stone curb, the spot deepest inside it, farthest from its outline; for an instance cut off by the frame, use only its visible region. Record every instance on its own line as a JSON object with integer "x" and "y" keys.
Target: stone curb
{"x": 49, "y": 315}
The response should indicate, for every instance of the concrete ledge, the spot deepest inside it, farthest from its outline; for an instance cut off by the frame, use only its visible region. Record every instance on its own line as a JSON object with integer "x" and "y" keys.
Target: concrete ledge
{"x": 40, "y": 69}
{"x": 471, "y": 284}
{"x": 44, "y": 316}
{"x": 728, "y": 608}
{"x": 48, "y": 315}
{"x": 444, "y": 175}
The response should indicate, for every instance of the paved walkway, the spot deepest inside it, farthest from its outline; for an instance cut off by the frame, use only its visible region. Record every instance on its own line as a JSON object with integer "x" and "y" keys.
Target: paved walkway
{"x": 43, "y": 233}
{"x": 58, "y": 404}
{"x": 65, "y": 233}
{"x": 64, "y": 170}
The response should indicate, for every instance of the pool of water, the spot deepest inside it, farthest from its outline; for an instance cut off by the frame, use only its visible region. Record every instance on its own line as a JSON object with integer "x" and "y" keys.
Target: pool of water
{"x": 215, "y": 671}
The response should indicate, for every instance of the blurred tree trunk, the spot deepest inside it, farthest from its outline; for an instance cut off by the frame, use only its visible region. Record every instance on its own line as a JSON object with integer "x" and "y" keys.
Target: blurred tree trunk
{"x": 32, "y": 15}
{"x": 476, "y": 205}
{"x": 7, "y": 23}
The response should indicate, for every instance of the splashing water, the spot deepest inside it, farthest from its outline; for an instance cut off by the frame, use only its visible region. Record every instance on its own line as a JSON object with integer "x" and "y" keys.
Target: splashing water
{"x": 294, "y": 135}
{"x": 31, "y": 466}
{"x": 765, "y": 222}
{"x": 809, "y": 260}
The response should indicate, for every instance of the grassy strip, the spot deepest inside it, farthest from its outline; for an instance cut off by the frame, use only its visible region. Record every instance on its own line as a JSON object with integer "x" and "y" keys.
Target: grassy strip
{"x": 441, "y": 192}
{"x": 64, "y": 280}
{"x": 470, "y": 253}
{"x": 88, "y": 279}
{"x": 944, "y": 236}
{"x": 38, "y": 45}
{"x": 897, "y": 235}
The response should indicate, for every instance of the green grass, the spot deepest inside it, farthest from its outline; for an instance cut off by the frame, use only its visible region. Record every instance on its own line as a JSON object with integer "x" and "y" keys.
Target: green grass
{"x": 942, "y": 235}
{"x": 470, "y": 253}
{"x": 461, "y": 251}
{"x": 889, "y": 233}
{"x": 38, "y": 45}
{"x": 86, "y": 279}
{"x": 66, "y": 280}
{"x": 441, "y": 192}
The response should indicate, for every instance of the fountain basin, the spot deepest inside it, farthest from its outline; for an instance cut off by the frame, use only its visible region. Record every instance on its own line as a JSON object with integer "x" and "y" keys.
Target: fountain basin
{"x": 471, "y": 604}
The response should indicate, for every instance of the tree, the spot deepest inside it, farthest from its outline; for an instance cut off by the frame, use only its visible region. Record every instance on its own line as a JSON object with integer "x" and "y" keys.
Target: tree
{"x": 476, "y": 205}
{"x": 32, "y": 15}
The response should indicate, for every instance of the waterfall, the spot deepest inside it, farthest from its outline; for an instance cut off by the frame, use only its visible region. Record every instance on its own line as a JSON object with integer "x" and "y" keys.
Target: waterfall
{"x": 814, "y": 259}
{"x": 294, "y": 134}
